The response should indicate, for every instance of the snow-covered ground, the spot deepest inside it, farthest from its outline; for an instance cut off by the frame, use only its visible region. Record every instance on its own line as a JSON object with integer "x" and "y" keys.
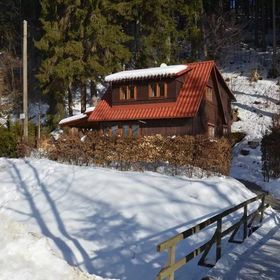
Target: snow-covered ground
{"x": 25, "y": 255}
{"x": 109, "y": 222}
{"x": 256, "y": 104}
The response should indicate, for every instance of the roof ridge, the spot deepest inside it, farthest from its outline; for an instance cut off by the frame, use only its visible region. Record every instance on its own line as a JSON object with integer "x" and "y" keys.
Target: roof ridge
{"x": 202, "y": 62}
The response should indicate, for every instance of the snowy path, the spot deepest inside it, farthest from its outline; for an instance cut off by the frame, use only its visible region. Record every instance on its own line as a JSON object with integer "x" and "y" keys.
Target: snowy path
{"x": 257, "y": 258}
{"x": 272, "y": 201}
{"x": 262, "y": 261}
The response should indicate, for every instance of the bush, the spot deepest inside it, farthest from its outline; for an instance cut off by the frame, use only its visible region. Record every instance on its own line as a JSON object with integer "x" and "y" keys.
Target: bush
{"x": 236, "y": 137}
{"x": 8, "y": 143}
{"x": 148, "y": 152}
{"x": 270, "y": 147}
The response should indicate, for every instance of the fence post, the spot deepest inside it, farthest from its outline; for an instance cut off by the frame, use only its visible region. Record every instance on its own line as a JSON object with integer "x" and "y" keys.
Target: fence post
{"x": 245, "y": 222}
{"x": 171, "y": 260}
{"x": 262, "y": 208}
{"x": 219, "y": 239}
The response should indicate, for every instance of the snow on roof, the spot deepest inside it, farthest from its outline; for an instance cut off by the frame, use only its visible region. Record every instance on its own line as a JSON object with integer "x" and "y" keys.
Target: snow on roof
{"x": 89, "y": 109}
{"x": 163, "y": 71}
{"x": 77, "y": 117}
{"x": 73, "y": 118}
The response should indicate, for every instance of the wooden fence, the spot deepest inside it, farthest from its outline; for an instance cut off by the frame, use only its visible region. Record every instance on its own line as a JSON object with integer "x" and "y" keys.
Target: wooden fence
{"x": 246, "y": 220}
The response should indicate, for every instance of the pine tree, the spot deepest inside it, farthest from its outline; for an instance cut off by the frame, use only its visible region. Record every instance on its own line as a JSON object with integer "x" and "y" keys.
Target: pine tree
{"x": 9, "y": 25}
{"x": 81, "y": 43}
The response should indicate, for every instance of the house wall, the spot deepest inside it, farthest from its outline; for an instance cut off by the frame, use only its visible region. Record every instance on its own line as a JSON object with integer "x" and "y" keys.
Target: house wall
{"x": 212, "y": 113}
{"x": 142, "y": 91}
{"x": 166, "y": 127}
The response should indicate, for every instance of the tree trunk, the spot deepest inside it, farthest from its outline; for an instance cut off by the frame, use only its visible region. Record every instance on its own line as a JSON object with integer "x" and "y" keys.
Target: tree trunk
{"x": 256, "y": 23}
{"x": 204, "y": 43}
{"x": 83, "y": 97}
{"x": 93, "y": 89}
{"x": 70, "y": 101}
{"x": 263, "y": 22}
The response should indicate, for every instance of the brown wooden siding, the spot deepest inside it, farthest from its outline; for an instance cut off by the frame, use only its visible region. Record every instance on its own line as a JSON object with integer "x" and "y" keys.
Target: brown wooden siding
{"x": 187, "y": 126}
{"x": 142, "y": 88}
{"x": 212, "y": 112}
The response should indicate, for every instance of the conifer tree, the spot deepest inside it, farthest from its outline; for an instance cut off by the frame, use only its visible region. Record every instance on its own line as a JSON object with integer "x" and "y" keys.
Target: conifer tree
{"x": 81, "y": 43}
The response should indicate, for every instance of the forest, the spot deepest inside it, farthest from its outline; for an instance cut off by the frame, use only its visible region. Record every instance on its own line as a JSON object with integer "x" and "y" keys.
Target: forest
{"x": 74, "y": 44}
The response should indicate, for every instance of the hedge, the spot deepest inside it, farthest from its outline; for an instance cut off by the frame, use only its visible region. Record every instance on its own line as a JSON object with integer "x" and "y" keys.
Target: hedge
{"x": 148, "y": 152}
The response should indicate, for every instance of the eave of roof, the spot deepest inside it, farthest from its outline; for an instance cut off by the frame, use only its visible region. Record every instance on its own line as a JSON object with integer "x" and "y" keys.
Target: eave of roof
{"x": 148, "y": 73}
{"x": 77, "y": 120}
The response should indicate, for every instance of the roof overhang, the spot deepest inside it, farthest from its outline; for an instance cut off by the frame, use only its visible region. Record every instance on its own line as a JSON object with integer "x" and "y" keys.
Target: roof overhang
{"x": 148, "y": 73}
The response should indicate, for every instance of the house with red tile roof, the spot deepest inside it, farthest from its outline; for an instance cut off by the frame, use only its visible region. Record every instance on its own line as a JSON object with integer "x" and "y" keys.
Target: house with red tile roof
{"x": 168, "y": 100}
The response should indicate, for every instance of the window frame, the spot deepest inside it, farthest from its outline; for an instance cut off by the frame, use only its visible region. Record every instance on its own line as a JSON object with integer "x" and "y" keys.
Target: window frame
{"x": 211, "y": 126}
{"x": 126, "y": 90}
{"x": 128, "y": 130}
{"x": 115, "y": 132}
{"x": 225, "y": 130}
{"x": 138, "y": 130}
{"x": 209, "y": 94}
{"x": 157, "y": 89}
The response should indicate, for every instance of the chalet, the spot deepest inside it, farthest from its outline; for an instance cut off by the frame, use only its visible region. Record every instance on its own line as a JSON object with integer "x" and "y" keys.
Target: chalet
{"x": 169, "y": 100}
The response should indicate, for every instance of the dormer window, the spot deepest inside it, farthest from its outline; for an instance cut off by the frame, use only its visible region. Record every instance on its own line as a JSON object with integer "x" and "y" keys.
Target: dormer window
{"x": 209, "y": 94}
{"x": 158, "y": 89}
{"x": 128, "y": 92}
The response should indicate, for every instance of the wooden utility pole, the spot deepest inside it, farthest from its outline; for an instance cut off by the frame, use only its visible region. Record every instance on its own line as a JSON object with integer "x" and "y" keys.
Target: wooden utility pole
{"x": 25, "y": 98}
{"x": 274, "y": 40}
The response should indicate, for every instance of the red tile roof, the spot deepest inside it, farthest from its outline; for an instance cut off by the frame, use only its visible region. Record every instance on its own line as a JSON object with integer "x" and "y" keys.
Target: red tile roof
{"x": 186, "y": 105}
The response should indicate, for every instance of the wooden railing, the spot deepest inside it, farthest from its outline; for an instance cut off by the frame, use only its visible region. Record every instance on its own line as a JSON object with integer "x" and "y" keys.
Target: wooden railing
{"x": 247, "y": 220}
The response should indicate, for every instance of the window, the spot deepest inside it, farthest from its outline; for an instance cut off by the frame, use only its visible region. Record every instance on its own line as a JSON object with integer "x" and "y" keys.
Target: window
{"x": 209, "y": 94}
{"x": 225, "y": 130}
{"x": 153, "y": 89}
{"x": 158, "y": 89}
{"x": 128, "y": 92}
{"x": 211, "y": 130}
{"x": 132, "y": 92}
{"x": 123, "y": 92}
{"x": 135, "y": 130}
{"x": 114, "y": 130}
{"x": 106, "y": 131}
{"x": 126, "y": 130}
{"x": 162, "y": 89}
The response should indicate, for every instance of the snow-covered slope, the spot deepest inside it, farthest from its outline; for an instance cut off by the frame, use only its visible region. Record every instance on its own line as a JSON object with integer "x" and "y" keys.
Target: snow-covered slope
{"x": 25, "y": 255}
{"x": 108, "y": 222}
{"x": 256, "y": 104}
